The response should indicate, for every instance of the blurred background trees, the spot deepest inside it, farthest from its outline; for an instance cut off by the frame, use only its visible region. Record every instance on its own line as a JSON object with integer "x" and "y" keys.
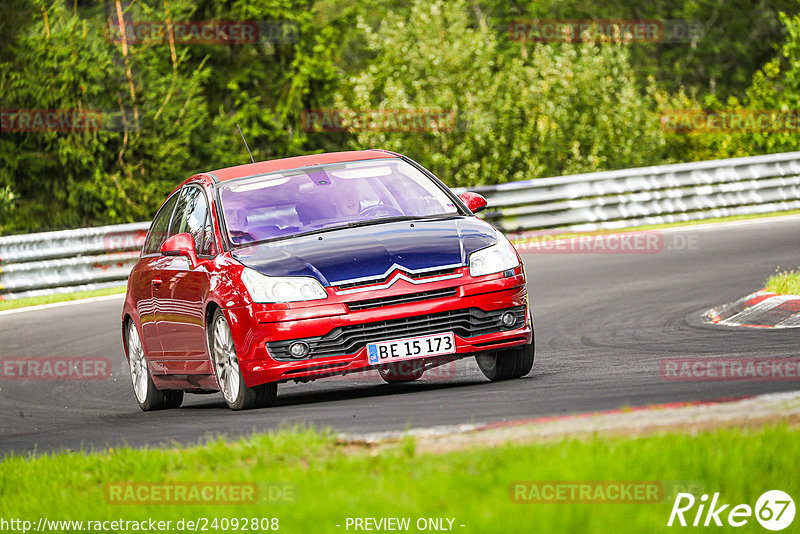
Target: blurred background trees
{"x": 517, "y": 110}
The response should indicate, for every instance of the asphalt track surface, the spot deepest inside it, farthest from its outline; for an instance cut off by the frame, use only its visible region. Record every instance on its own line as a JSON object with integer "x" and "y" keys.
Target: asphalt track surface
{"x": 603, "y": 324}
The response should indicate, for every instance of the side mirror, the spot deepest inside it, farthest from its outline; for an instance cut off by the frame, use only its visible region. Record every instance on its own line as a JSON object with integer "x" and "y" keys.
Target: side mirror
{"x": 180, "y": 245}
{"x": 474, "y": 201}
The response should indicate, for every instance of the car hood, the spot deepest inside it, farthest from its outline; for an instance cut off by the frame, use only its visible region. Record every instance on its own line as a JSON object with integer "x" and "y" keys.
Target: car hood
{"x": 351, "y": 254}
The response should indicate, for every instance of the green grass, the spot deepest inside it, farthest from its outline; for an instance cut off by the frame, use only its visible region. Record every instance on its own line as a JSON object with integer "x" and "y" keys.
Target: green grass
{"x": 785, "y": 283}
{"x": 60, "y": 297}
{"x": 332, "y": 482}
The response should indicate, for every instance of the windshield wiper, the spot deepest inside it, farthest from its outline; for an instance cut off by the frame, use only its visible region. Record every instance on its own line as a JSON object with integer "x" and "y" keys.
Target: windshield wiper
{"x": 370, "y": 222}
{"x": 354, "y": 224}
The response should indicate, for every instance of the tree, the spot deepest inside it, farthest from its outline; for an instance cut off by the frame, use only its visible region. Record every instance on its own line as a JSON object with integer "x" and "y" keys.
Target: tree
{"x": 776, "y": 87}
{"x": 143, "y": 108}
{"x": 548, "y": 109}
{"x": 170, "y": 108}
{"x": 724, "y": 44}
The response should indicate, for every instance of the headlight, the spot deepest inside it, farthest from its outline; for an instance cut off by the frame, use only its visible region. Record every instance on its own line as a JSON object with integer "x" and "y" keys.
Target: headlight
{"x": 495, "y": 259}
{"x": 264, "y": 288}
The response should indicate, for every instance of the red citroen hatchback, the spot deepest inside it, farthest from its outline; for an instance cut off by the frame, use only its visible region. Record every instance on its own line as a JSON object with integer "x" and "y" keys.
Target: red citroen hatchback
{"x": 314, "y": 266}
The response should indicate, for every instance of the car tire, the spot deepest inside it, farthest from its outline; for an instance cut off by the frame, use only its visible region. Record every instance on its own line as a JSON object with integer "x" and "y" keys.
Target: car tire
{"x": 238, "y": 396}
{"x": 147, "y": 395}
{"x": 506, "y": 364}
{"x": 400, "y": 372}
{"x": 173, "y": 399}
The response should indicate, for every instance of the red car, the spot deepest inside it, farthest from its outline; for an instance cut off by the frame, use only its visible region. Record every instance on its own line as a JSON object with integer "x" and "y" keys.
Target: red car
{"x": 314, "y": 266}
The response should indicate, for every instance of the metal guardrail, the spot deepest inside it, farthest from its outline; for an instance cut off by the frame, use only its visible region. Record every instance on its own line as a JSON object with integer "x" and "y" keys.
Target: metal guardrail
{"x": 74, "y": 260}
{"x": 648, "y": 195}
{"x": 69, "y": 260}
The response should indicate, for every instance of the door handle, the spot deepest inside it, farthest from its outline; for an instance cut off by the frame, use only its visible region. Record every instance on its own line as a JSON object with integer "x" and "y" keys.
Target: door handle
{"x": 156, "y": 282}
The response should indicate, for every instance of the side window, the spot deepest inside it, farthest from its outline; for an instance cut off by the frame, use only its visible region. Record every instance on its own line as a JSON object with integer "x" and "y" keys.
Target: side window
{"x": 159, "y": 228}
{"x": 192, "y": 217}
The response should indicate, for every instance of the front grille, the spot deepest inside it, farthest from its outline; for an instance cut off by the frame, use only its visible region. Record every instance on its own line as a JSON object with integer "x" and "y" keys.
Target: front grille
{"x": 350, "y": 339}
{"x": 400, "y": 299}
{"x": 413, "y": 276}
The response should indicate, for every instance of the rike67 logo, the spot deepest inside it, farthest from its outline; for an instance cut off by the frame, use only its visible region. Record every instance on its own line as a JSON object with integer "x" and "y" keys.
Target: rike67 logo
{"x": 774, "y": 510}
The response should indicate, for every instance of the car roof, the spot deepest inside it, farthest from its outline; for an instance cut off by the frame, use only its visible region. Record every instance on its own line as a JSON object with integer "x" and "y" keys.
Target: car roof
{"x": 263, "y": 167}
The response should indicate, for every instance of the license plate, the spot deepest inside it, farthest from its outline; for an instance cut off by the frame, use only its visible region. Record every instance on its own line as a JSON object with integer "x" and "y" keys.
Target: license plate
{"x": 411, "y": 348}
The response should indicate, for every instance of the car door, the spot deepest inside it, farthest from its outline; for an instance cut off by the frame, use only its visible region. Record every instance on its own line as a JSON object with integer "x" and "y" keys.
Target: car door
{"x": 180, "y": 297}
{"x": 146, "y": 275}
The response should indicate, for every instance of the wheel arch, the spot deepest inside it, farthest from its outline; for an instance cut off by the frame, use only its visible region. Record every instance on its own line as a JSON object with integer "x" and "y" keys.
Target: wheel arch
{"x": 126, "y": 318}
{"x": 211, "y": 309}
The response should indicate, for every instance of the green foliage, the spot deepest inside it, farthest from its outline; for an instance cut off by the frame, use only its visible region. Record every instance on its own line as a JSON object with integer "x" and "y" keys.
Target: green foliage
{"x": 6, "y": 202}
{"x": 544, "y": 110}
{"x": 519, "y": 110}
{"x": 728, "y": 39}
{"x": 120, "y": 171}
{"x": 777, "y": 87}
{"x": 172, "y": 111}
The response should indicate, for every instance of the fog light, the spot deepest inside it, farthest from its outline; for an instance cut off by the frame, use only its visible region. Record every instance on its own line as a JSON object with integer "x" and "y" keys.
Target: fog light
{"x": 509, "y": 319}
{"x": 299, "y": 349}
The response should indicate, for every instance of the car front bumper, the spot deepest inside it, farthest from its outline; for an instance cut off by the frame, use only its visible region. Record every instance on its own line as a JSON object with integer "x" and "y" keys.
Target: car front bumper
{"x": 338, "y": 334}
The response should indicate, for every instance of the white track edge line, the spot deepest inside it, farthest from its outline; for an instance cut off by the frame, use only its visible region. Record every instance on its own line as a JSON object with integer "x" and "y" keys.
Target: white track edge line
{"x": 60, "y": 304}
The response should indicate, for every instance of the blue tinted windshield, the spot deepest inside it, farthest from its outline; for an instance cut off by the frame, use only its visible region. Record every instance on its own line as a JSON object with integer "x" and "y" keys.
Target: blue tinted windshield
{"x": 295, "y": 202}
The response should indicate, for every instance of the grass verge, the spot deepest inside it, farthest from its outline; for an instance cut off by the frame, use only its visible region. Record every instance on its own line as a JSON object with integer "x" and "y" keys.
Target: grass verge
{"x": 59, "y": 297}
{"x": 330, "y": 482}
{"x": 785, "y": 283}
